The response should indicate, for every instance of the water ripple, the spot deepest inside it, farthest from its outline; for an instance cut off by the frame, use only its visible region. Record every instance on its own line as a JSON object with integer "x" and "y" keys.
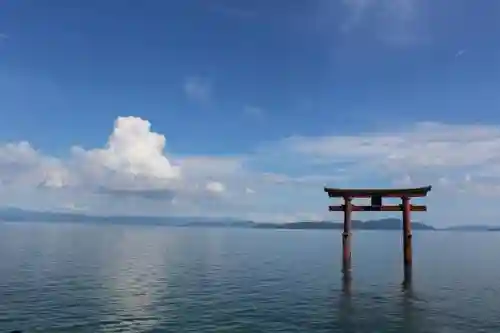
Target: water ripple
{"x": 78, "y": 278}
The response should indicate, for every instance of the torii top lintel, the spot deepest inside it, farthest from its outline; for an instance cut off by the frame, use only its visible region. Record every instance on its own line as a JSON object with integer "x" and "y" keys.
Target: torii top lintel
{"x": 388, "y": 193}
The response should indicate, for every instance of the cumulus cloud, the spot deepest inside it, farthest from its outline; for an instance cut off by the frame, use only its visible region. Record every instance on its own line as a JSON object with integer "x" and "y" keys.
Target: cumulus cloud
{"x": 133, "y": 159}
{"x": 133, "y": 173}
{"x": 133, "y": 148}
{"x": 133, "y": 163}
{"x": 23, "y": 166}
{"x": 132, "y": 170}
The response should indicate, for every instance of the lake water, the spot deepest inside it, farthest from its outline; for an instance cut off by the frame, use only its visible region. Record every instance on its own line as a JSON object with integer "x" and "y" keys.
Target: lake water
{"x": 91, "y": 278}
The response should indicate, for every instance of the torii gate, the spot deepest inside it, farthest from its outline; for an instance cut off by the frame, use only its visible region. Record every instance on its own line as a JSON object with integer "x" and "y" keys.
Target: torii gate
{"x": 376, "y": 196}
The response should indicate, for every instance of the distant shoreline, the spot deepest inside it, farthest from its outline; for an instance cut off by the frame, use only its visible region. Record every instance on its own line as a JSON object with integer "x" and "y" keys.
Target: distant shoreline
{"x": 20, "y": 215}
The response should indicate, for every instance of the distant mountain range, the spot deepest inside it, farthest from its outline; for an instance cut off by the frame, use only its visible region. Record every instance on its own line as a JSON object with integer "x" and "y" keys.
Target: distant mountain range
{"x": 479, "y": 227}
{"x": 380, "y": 224}
{"x": 21, "y": 215}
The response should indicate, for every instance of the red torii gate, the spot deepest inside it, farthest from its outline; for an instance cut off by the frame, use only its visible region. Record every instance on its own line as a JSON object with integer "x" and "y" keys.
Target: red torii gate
{"x": 376, "y": 196}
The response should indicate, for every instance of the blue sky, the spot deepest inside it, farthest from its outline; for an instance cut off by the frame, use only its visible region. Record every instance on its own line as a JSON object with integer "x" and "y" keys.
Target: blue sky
{"x": 247, "y": 108}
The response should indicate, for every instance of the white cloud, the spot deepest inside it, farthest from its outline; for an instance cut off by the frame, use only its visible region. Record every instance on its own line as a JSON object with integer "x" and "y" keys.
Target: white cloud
{"x": 249, "y": 191}
{"x": 424, "y": 145}
{"x": 210, "y": 165}
{"x": 357, "y": 9}
{"x": 198, "y": 89}
{"x": 314, "y": 179}
{"x": 133, "y": 163}
{"x": 460, "y": 161}
{"x": 215, "y": 187}
{"x": 397, "y": 22}
{"x": 22, "y": 166}
{"x": 133, "y": 173}
{"x": 135, "y": 150}
{"x": 253, "y": 111}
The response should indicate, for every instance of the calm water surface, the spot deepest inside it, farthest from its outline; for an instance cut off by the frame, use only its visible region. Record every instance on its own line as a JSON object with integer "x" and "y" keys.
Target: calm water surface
{"x": 90, "y": 278}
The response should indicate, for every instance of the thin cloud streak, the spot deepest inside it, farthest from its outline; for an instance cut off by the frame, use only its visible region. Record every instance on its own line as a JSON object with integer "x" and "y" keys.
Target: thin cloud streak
{"x": 198, "y": 89}
{"x": 460, "y": 53}
{"x": 394, "y": 22}
{"x": 235, "y": 12}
